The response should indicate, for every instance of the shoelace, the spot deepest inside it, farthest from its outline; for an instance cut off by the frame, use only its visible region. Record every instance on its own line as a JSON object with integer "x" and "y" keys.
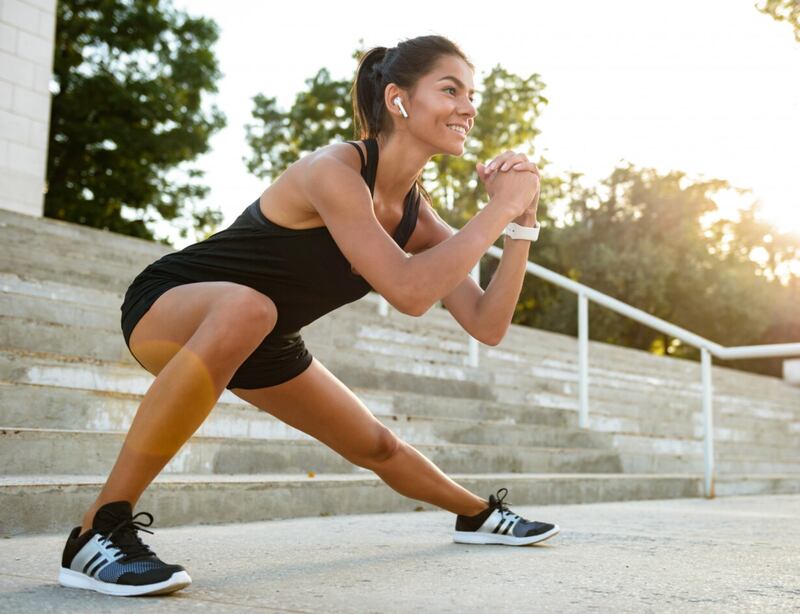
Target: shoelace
{"x": 499, "y": 503}
{"x": 128, "y": 541}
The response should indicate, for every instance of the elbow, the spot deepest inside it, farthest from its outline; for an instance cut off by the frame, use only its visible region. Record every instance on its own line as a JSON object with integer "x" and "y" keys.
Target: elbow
{"x": 415, "y": 308}
{"x": 405, "y": 303}
{"x": 492, "y": 339}
{"x": 410, "y": 299}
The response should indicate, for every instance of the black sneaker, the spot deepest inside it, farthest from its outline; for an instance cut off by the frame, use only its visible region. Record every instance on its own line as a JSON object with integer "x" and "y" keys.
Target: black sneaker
{"x": 110, "y": 557}
{"x": 499, "y": 525}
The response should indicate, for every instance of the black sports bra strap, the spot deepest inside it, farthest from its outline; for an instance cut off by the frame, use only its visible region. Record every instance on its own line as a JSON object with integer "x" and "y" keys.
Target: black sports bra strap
{"x": 360, "y": 155}
{"x": 410, "y": 211}
{"x": 372, "y": 163}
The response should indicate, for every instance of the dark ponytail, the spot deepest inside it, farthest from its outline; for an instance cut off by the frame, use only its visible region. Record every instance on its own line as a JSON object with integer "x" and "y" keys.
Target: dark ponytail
{"x": 403, "y": 65}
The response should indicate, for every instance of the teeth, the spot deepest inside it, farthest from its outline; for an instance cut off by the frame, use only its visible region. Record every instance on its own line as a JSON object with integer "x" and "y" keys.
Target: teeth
{"x": 457, "y": 128}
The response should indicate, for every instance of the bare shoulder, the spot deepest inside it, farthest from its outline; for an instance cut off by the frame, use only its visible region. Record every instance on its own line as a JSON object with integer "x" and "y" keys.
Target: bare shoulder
{"x": 285, "y": 202}
{"x": 344, "y": 152}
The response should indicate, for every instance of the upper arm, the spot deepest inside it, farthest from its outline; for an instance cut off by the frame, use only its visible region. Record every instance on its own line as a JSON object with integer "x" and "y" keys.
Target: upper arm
{"x": 462, "y": 302}
{"x": 342, "y": 199}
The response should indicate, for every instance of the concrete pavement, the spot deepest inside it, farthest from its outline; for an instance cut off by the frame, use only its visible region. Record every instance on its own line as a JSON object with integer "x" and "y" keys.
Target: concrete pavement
{"x": 732, "y": 554}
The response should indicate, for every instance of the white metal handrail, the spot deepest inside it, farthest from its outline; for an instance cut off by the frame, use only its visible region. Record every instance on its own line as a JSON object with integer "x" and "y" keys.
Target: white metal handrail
{"x": 707, "y": 349}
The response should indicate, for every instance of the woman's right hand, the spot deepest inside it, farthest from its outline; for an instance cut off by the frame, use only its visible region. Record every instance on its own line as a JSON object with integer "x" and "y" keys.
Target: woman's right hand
{"x": 514, "y": 188}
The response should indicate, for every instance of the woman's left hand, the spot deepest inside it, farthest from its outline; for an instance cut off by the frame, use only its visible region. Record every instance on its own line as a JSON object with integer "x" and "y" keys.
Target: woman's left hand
{"x": 510, "y": 161}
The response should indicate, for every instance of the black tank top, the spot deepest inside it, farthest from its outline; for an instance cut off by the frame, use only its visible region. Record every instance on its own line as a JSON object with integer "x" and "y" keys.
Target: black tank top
{"x": 301, "y": 270}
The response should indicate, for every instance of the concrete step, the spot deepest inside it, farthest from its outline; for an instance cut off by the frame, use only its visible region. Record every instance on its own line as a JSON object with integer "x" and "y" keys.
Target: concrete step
{"x": 386, "y": 393}
{"x": 632, "y": 403}
{"x": 50, "y": 369}
{"x": 373, "y": 336}
{"x": 417, "y": 417}
{"x": 53, "y": 244}
{"x": 103, "y": 344}
{"x": 44, "y": 451}
{"x": 38, "y": 310}
{"x": 45, "y": 406}
{"x": 56, "y": 503}
{"x": 531, "y": 387}
{"x": 26, "y": 406}
{"x": 60, "y": 293}
{"x": 540, "y": 390}
{"x": 150, "y": 251}
{"x": 47, "y": 228}
{"x": 724, "y": 450}
{"x": 633, "y": 462}
{"x": 78, "y": 341}
{"x": 530, "y": 346}
{"x": 560, "y": 375}
{"x": 67, "y": 269}
{"x": 16, "y": 226}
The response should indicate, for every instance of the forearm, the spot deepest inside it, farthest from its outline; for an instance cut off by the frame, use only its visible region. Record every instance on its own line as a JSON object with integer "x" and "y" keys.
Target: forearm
{"x": 435, "y": 272}
{"x": 495, "y": 308}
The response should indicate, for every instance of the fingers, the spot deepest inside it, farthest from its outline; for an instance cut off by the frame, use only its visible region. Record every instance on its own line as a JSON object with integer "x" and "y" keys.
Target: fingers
{"x": 497, "y": 162}
{"x": 525, "y": 166}
{"x": 508, "y": 160}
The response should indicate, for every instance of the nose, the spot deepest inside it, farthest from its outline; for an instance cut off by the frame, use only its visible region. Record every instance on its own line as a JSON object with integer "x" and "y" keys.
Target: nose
{"x": 469, "y": 110}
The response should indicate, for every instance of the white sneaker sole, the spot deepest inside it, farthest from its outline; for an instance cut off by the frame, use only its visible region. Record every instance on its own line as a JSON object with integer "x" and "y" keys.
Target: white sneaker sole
{"x": 473, "y": 537}
{"x": 76, "y": 579}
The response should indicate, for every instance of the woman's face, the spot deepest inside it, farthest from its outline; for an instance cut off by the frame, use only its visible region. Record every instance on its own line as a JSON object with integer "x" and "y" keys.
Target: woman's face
{"x": 443, "y": 98}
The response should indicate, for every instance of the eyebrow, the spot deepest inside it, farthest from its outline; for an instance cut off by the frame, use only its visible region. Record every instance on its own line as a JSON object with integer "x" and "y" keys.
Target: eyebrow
{"x": 461, "y": 85}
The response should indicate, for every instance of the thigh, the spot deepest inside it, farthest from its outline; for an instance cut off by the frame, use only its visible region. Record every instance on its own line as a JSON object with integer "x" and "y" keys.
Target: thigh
{"x": 319, "y": 404}
{"x": 178, "y": 314}
{"x": 281, "y": 356}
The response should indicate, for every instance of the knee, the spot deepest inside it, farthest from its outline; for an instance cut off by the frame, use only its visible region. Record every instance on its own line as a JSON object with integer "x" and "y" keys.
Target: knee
{"x": 249, "y": 311}
{"x": 385, "y": 445}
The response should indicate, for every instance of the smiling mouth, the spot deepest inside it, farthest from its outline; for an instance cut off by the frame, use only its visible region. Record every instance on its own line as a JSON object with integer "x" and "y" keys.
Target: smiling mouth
{"x": 457, "y": 131}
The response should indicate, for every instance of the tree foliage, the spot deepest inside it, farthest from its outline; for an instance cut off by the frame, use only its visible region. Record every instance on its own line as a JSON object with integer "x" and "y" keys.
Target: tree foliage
{"x": 658, "y": 243}
{"x": 653, "y": 241}
{"x": 127, "y": 114}
{"x": 784, "y": 10}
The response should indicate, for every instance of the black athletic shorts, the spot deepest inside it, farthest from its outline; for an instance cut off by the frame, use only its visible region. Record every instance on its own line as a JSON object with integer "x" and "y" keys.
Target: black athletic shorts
{"x": 279, "y": 358}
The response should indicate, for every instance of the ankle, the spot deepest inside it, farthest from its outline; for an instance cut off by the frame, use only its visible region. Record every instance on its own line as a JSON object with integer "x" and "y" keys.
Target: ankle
{"x": 88, "y": 519}
{"x": 86, "y": 524}
{"x": 475, "y": 510}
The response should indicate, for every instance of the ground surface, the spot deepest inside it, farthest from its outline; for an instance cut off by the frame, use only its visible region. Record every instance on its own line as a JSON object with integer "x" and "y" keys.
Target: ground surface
{"x": 732, "y": 554}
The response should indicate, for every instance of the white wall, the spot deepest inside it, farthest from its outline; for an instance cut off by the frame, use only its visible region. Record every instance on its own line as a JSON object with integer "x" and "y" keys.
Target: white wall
{"x": 27, "y": 36}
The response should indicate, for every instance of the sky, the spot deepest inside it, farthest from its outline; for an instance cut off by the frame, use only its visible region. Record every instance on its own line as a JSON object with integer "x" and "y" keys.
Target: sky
{"x": 707, "y": 87}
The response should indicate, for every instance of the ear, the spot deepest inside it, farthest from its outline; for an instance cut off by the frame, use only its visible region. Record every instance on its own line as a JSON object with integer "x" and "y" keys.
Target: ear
{"x": 391, "y": 92}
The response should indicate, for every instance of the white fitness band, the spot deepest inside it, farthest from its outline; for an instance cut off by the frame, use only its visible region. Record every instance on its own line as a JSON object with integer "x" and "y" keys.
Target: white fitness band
{"x": 527, "y": 233}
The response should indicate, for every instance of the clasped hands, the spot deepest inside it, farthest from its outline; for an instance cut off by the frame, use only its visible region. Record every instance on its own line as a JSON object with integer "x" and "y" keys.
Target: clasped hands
{"x": 511, "y": 161}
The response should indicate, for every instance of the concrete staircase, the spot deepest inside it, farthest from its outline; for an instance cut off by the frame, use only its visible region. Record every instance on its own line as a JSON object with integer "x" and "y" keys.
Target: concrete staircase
{"x": 70, "y": 389}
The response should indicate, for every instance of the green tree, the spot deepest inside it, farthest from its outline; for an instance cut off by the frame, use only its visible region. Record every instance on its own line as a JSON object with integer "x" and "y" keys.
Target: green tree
{"x": 650, "y": 241}
{"x": 127, "y": 115}
{"x": 783, "y": 10}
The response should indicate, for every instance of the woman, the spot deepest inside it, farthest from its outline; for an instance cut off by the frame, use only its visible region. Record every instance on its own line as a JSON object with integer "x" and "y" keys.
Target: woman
{"x": 226, "y": 312}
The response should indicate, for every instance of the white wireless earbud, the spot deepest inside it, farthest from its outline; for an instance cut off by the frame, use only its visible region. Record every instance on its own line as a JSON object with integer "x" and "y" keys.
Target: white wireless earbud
{"x": 399, "y": 103}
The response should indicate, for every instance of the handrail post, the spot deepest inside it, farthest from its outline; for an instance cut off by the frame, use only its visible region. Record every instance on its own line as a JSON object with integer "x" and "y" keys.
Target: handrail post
{"x": 583, "y": 361}
{"x": 708, "y": 423}
{"x": 383, "y": 306}
{"x": 472, "y": 359}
